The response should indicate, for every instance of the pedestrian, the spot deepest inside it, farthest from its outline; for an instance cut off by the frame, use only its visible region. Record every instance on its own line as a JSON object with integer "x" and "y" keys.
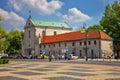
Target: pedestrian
{"x": 50, "y": 57}
{"x": 85, "y": 57}
{"x": 65, "y": 56}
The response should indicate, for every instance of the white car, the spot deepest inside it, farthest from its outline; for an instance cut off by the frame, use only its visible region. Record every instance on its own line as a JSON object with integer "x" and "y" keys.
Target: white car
{"x": 70, "y": 56}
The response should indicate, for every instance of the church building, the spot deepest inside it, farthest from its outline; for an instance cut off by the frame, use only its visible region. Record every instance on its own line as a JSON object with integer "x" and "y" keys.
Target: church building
{"x": 57, "y": 38}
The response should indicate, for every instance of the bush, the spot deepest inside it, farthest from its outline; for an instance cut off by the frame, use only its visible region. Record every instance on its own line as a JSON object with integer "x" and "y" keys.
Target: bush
{"x": 4, "y": 61}
{"x": 1, "y": 61}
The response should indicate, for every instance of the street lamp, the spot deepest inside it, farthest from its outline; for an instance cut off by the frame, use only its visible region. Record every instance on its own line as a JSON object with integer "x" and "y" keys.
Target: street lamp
{"x": 86, "y": 34}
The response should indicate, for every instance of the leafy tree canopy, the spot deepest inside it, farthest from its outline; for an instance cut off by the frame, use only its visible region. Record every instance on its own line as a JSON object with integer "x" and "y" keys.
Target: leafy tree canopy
{"x": 15, "y": 40}
{"x": 111, "y": 20}
{"x": 95, "y": 27}
{"x": 3, "y": 34}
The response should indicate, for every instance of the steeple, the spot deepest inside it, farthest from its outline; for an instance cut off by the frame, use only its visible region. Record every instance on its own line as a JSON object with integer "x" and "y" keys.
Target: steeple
{"x": 29, "y": 14}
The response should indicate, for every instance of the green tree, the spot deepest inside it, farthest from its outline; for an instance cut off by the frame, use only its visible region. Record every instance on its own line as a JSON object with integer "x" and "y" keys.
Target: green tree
{"x": 3, "y": 34}
{"x": 15, "y": 40}
{"x": 0, "y": 18}
{"x": 95, "y": 27}
{"x": 111, "y": 20}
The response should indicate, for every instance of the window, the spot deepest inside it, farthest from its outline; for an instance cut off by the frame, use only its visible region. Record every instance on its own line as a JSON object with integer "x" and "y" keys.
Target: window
{"x": 43, "y": 33}
{"x": 29, "y": 43}
{"x": 40, "y": 45}
{"x": 59, "y": 45}
{"x": 95, "y": 42}
{"x": 59, "y": 52}
{"x": 80, "y": 53}
{"x": 89, "y": 42}
{"x": 84, "y": 42}
{"x": 65, "y": 44}
{"x": 49, "y": 52}
{"x": 92, "y": 54}
{"x": 29, "y": 34}
{"x": 44, "y": 46}
{"x": 80, "y": 43}
{"x": 73, "y": 44}
{"x": 49, "y": 45}
{"x": 55, "y": 32}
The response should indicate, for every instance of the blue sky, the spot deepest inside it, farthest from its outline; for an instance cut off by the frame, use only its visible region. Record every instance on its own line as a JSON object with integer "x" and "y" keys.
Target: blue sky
{"x": 75, "y": 12}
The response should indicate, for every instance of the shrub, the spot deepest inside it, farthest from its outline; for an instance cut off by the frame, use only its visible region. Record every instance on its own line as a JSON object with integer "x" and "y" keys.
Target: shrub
{"x": 1, "y": 61}
{"x": 4, "y": 61}
{"x": 7, "y": 60}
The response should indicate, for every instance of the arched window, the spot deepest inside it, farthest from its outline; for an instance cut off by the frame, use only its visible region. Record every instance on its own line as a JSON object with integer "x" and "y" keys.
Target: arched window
{"x": 43, "y": 33}
{"x": 80, "y": 53}
{"x": 73, "y": 44}
{"x": 29, "y": 34}
{"x": 55, "y": 32}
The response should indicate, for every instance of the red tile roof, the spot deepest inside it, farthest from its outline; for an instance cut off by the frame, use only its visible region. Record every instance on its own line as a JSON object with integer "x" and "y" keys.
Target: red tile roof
{"x": 74, "y": 36}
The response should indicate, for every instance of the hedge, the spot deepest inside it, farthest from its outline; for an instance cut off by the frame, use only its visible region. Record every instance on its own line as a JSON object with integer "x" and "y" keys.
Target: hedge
{"x": 4, "y": 61}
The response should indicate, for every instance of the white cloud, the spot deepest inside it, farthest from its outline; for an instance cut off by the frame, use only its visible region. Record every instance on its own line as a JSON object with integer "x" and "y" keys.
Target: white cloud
{"x": 75, "y": 15}
{"x": 11, "y": 20}
{"x": 41, "y": 6}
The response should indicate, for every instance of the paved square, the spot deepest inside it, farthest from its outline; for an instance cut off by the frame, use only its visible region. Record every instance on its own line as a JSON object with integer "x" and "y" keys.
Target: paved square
{"x": 63, "y": 78}
{"x": 35, "y": 70}
{"x": 27, "y": 73}
{"x": 11, "y": 78}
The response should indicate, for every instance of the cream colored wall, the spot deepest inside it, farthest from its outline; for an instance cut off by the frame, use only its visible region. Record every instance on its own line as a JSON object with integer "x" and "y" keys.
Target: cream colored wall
{"x": 107, "y": 47}
{"x": 77, "y": 47}
{"x": 50, "y": 31}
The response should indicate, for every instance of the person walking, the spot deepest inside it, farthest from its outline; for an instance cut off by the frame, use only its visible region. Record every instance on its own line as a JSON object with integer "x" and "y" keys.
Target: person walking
{"x": 85, "y": 57}
{"x": 65, "y": 56}
{"x": 50, "y": 57}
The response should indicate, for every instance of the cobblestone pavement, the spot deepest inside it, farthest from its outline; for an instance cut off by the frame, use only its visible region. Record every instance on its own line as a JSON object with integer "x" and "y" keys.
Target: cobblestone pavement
{"x": 35, "y": 70}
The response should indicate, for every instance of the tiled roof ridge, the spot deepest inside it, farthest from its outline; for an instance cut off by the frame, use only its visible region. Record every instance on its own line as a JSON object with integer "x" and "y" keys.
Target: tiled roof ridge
{"x": 62, "y": 34}
{"x": 77, "y": 35}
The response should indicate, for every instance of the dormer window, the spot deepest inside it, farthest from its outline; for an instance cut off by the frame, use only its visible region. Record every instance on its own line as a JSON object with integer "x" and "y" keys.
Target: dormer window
{"x": 43, "y": 33}
{"x": 55, "y": 32}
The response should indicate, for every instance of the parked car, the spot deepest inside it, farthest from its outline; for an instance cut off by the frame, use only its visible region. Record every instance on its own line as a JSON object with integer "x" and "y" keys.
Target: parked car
{"x": 4, "y": 57}
{"x": 70, "y": 56}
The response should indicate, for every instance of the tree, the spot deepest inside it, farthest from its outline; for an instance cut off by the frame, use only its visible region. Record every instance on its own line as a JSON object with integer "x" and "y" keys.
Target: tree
{"x": 95, "y": 27}
{"x": 0, "y": 18}
{"x": 15, "y": 40}
{"x": 111, "y": 20}
{"x": 3, "y": 33}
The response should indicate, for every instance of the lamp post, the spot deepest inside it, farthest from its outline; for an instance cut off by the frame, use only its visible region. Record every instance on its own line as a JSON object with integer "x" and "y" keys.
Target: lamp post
{"x": 86, "y": 34}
